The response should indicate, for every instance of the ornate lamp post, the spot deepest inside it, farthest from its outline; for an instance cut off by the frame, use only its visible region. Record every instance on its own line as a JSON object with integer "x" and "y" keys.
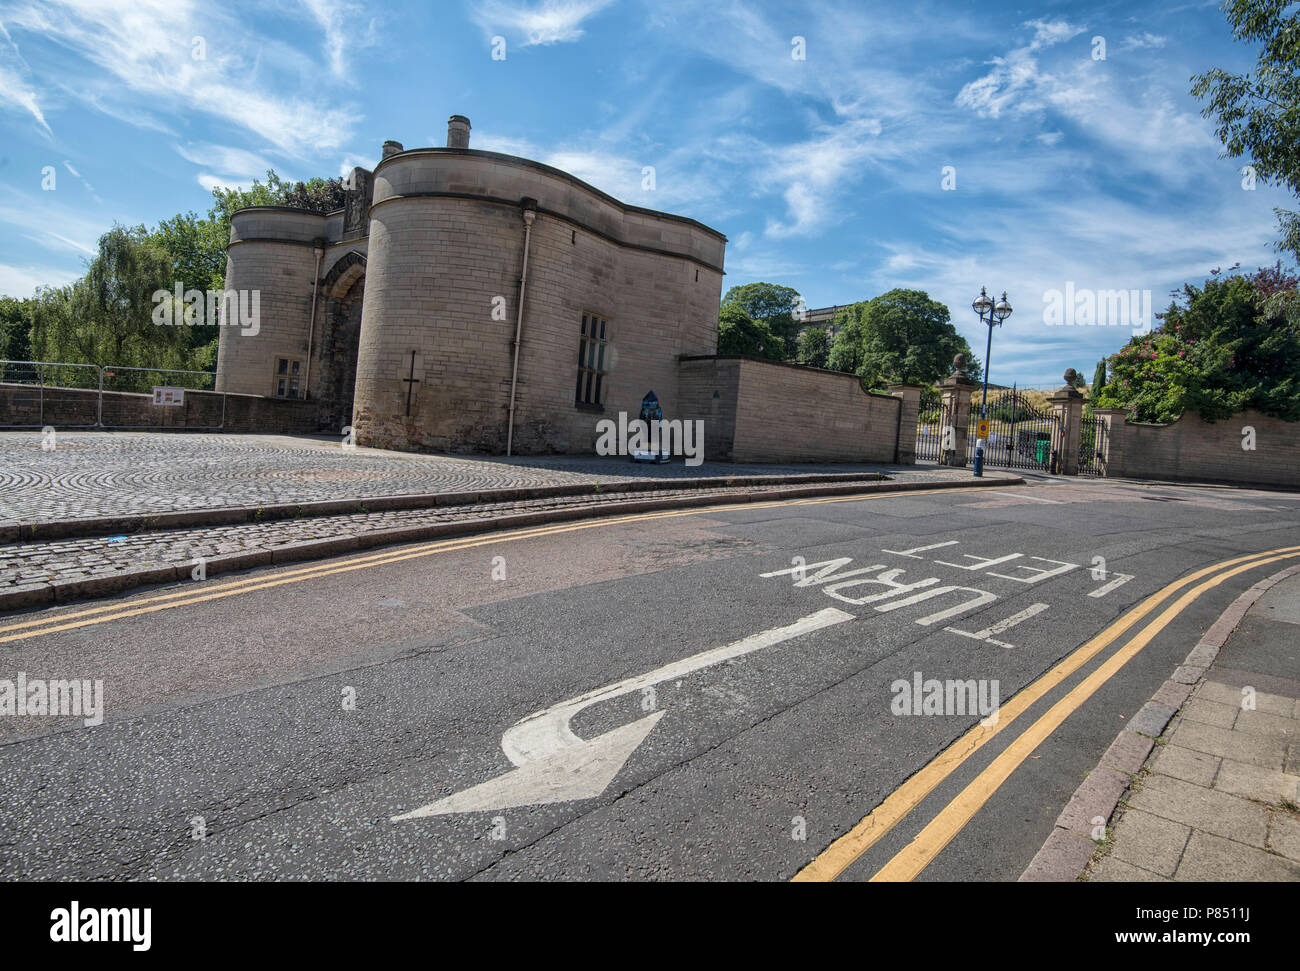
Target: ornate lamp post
{"x": 992, "y": 314}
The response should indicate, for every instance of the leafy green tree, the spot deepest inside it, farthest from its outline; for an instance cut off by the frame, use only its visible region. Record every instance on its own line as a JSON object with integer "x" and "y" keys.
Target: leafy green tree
{"x": 197, "y": 251}
{"x": 846, "y": 349}
{"x": 1258, "y": 115}
{"x": 106, "y": 317}
{"x": 900, "y": 337}
{"x": 318, "y": 195}
{"x": 1229, "y": 345}
{"x": 814, "y": 347}
{"x": 739, "y": 334}
{"x": 1098, "y": 379}
{"x": 772, "y": 304}
{"x": 15, "y": 329}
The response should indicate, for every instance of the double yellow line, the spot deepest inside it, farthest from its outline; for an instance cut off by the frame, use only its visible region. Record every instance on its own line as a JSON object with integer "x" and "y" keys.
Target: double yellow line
{"x": 181, "y": 598}
{"x": 921, "y": 851}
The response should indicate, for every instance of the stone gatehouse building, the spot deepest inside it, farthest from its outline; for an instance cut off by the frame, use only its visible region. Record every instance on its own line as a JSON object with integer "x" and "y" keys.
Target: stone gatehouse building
{"x": 398, "y": 315}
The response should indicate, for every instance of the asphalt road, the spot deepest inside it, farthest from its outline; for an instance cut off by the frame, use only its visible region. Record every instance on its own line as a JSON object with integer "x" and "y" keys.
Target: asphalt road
{"x": 272, "y": 725}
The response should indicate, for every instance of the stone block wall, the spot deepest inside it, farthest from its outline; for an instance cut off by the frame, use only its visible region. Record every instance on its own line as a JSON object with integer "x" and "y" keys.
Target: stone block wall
{"x": 768, "y": 412}
{"x": 1193, "y": 449}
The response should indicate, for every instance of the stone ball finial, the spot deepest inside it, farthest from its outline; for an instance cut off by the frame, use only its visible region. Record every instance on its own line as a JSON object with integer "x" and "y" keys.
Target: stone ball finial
{"x": 959, "y": 364}
{"x": 1071, "y": 376}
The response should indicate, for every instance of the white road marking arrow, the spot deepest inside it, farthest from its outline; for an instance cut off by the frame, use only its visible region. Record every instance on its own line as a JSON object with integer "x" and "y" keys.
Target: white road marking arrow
{"x": 1003, "y": 625}
{"x": 1119, "y": 581}
{"x": 555, "y": 765}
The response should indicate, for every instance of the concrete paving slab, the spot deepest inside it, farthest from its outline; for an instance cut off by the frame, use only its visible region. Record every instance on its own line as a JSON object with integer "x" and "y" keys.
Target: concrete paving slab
{"x": 1255, "y": 782}
{"x": 1228, "y": 694}
{"x": 1253, "y": 749}
{"x": 1202, "y": 809}
{"x": 1284, "y": 836}
{"x": 1215, "y": 859}
{"x": 1149, "y": 842}
{"x": 1187, "y": 764}
{"x": 1264, "y": 723}
{"x": 1111, "y": 870}
{"x": 1210, "y": 713}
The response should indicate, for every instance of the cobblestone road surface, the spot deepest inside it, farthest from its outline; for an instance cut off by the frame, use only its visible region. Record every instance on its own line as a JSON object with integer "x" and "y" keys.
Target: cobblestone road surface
{"x": 125, "y": 474}
{"x": 93, "y": 474}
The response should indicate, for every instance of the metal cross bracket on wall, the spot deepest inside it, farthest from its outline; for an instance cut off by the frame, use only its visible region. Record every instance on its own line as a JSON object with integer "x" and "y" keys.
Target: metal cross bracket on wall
{"x": 410, "y": 383}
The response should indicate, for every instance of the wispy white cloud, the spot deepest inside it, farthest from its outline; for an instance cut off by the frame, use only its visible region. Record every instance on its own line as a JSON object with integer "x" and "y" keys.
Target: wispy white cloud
{"x": 59, "y": 243}
{"x": 1143, "y": 41}
{"x": 1133, "y": 116}
{"x": 1095, "y": 243}
{"x": 546, "y": 22}
{"x": 1015, "y": 80}
{"x": 210, "y": 182}
{"x": 860, "y": 115}
{"x": 812, "y": 171}
{"x": 16, "y": 90}
{"x": 82, "y": 179}
{"x": 152, "y": 48}
{"x": 351, "y": 162}
{"x": 1049, "y": 33}
{"x": 22, "y": 281}
{"x": 34, "y": 215}
{"x": 345, "y": 25}
{"x": 223, "y": 158}
{"x": 678, "y": 182}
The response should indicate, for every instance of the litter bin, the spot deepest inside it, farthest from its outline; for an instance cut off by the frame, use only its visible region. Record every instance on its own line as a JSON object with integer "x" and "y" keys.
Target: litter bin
{"x": 1042, "y": 453}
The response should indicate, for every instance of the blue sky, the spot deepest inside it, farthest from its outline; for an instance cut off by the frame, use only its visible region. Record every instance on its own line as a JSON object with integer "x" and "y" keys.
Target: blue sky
{"x": 825, "y": 173}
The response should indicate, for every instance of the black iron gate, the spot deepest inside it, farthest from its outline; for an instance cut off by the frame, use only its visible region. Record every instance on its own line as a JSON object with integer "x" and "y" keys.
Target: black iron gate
{"x": 934, "y": 434}
{"x": 1092, "y": 446}
{"x": 1020, "y": 435}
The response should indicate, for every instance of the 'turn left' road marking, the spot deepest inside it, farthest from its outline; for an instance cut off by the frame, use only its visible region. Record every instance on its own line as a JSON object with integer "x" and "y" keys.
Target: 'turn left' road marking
{"x": 1119, "y": 581}
{"x": 1001, "y": 626}
{"x": 555, "y": 765}
{"x": 837, "y": 857}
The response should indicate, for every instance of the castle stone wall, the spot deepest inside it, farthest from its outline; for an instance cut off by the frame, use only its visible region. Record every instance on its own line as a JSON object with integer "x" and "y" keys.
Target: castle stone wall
{"x": 270, "y": 251}
{"x": 446, "y": 240}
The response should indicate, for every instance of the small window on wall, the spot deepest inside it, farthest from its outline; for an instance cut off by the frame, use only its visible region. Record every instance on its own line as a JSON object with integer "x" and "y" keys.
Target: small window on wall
{"x": 288, "y": 374}
{"x": 591, "y": 362}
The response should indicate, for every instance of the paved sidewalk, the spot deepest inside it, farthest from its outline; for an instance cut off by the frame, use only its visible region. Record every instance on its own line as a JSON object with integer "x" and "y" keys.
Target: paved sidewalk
{"x": 1216, "y": 796}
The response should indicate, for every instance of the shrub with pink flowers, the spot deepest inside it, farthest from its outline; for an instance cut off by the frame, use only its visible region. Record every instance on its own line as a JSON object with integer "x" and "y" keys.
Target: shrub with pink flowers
{"x": 1231, "y": 344}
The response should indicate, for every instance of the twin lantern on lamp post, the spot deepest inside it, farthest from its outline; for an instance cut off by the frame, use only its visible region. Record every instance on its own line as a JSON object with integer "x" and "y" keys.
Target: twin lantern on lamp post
{"x": 991, "y": 314}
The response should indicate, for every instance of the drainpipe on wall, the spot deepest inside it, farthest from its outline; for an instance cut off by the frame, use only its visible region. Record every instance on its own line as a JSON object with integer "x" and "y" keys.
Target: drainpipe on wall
{"x": 530, "y": 213}
{"x": 311, "y": 329}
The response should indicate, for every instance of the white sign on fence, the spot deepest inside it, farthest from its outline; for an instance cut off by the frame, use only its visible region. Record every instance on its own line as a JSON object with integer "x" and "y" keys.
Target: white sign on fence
{"x": 169, "y": 397}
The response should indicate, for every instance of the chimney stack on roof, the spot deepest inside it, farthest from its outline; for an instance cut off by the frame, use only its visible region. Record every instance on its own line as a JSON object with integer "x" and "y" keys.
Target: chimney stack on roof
{"x": 458, "y": 132}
